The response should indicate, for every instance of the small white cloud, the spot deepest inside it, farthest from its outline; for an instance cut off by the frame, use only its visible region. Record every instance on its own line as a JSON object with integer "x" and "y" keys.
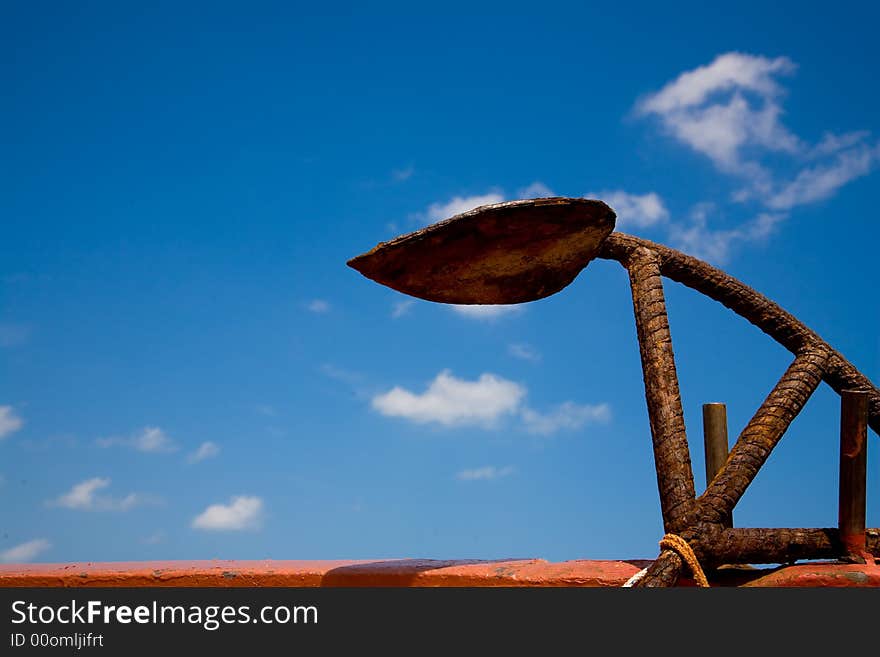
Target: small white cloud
{"x": 822, "y": 181}
{"x": 206, "y": 450}
{"x": 148, "y": 440}
{"x": 401, "y": 308}
{"x": 318, "y": 306}
{"x": 640, "y": 210}
{"x": 535, "y": 190}
{"x": 83, "y": 497}
{"x": 524, "y": 352}
{"x": 715, "y": 245}
{"x": 567, "y": 415}
{"x": 486, "y": 312}
{"x": 25, "y": 552}
{"x": 244, "y": 512}
{"x": 486, "y": 473}
{"x": 832, "y": 143}
{"x": 9, "y": 421}
{"x": 13, "y": 335}
{"x": 153, "y": 439}
{"x": 458, "y": 204}
{"x": 454, "y": 402}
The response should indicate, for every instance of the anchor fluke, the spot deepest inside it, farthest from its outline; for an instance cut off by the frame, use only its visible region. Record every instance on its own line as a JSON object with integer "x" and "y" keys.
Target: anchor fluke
{"x": 495, "y": 254}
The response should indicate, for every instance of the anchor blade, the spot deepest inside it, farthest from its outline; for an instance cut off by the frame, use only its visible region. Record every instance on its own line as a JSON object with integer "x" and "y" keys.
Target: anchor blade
{"x": 504, "y": 253}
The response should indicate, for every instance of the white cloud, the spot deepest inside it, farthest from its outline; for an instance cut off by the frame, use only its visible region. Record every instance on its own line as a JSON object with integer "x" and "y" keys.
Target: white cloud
{"x": 13, "y": 335}
{"x": 832, "y": 143}
{"x": 486, "y": 473}
{"x": 149, "y": 440}
{"x": 822, "y": 181}
{"x": 524, "y": 352}
{"x": 640, "y": 210}
{"x": 454, "y": 402}
{"x": 458, "y": 204}
{"x": 730, "y": 111}
{"x": 318, "y": 306}
{"x": 486, "y": 312}
{"x": 567, "y": 415}
{"x": 25, "y": 551}
{"x": 9, "y": 421}
{"x": 715, "y": 245}
{"x": 83, "y": 497}
{"x": 536, "y": 190}
{"x": 729, "y": 71}
{"x": 244, "y": 512}
{"x": 724, "y": 107}
{"x": 206, "y": 450}
{"x": 401, "y": 308}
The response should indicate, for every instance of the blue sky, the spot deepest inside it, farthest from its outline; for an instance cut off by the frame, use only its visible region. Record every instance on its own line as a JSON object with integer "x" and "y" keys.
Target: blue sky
{"x": 189, "y": 370}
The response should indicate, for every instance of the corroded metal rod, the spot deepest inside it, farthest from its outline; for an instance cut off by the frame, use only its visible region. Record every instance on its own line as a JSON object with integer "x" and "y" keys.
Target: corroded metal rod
{"x": 757, "y": 545}
{"x": 663, "y": 572}
{"x": 853, "y": 471}
{"x": 675, "y": 478}
{"x": 715, "y": 446}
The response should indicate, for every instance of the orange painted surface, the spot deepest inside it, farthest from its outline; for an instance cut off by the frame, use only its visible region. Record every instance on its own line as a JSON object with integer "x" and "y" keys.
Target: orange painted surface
{"x": 392, "y": 572}
{"x": 405, "y": 572}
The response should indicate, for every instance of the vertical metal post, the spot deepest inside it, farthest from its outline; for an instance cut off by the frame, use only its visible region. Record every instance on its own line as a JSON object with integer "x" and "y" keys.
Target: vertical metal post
{"x": 715, "y": 444}
{"x": 853, "y": 471}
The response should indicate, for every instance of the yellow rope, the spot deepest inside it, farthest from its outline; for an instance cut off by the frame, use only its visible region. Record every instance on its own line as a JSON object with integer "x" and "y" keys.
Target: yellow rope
{"x": 680, "y": 546}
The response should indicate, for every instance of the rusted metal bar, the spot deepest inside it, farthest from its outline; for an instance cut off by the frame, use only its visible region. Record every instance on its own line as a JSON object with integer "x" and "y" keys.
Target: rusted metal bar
{"x": 762, "y": 434}
{"x": 853, "y": 471}
{"x": 664, "y": 572}
{"x": 715, "y": 445}
{"x": 757, "y": 545}
{"x": 675, "y": 478}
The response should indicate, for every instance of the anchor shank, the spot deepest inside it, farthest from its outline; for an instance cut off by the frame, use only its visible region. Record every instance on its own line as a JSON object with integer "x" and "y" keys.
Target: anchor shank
{"x": 675, "y": 478}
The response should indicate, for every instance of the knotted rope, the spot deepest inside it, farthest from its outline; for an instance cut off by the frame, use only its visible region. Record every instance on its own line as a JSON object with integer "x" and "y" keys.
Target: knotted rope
{"x": 681, "y": 547}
